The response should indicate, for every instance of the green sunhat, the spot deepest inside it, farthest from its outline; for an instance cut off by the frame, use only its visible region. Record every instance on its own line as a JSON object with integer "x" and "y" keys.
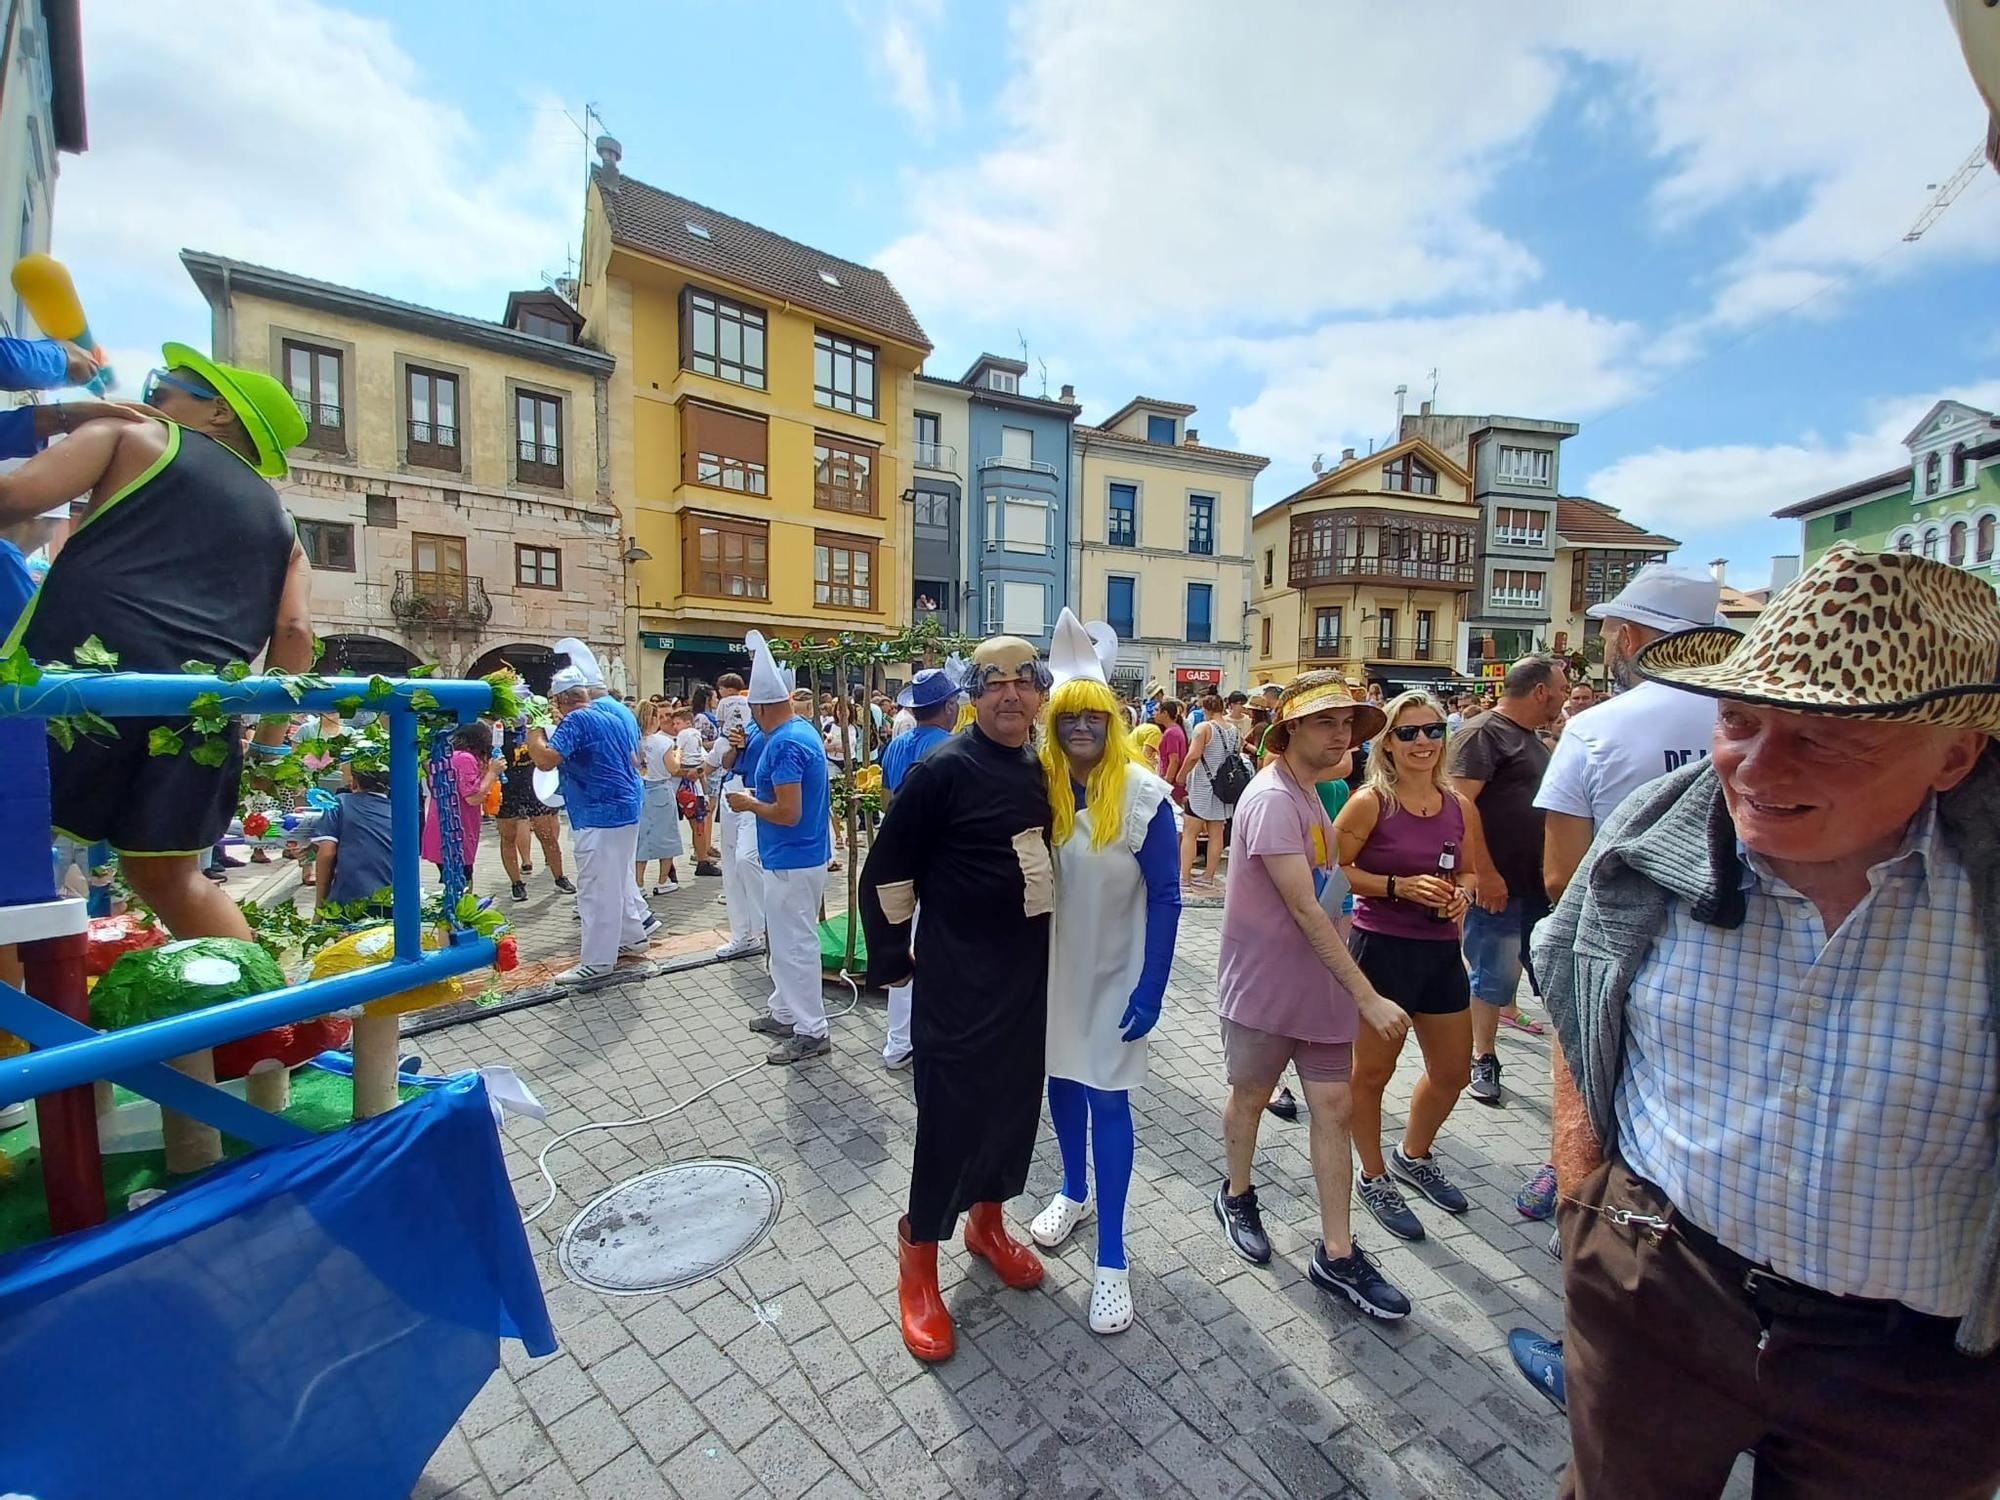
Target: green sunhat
{"x": 264, "y": 407}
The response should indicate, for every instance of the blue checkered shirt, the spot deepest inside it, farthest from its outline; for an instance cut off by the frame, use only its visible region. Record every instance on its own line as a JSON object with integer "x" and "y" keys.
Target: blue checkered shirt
{"x": 1825, "y": 1105}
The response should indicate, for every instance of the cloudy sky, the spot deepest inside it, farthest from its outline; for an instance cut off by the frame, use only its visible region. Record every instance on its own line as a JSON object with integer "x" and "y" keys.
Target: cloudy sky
{"x": 1677, "y": 225}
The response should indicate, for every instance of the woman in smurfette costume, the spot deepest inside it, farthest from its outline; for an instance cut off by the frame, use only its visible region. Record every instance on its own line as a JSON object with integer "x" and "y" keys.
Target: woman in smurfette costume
{"x": 1118, "y": 908}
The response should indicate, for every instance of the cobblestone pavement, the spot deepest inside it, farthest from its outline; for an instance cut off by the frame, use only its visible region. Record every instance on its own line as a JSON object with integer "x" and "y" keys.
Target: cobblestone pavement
{"x": 786, "y": 1376}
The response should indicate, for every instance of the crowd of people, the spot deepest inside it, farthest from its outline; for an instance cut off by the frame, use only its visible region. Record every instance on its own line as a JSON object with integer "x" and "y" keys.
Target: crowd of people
{"x": 1758, "y": 889}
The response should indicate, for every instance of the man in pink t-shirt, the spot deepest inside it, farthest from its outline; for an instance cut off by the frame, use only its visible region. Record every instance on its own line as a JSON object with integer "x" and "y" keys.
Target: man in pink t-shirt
{"x": 1288, "y": 990}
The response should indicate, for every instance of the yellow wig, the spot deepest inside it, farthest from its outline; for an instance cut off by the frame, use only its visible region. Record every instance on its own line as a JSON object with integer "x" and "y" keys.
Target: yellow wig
{"x": 1104, "y": 792}
{"x": 965, "y": 715}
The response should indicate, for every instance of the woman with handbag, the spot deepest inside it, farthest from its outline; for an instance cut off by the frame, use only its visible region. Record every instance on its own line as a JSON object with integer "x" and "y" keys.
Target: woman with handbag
{"x": 1216, "y": 744}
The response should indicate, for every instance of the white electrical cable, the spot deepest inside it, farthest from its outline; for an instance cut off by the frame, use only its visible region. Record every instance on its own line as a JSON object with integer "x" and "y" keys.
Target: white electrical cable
{"x": 542, "y": 1157}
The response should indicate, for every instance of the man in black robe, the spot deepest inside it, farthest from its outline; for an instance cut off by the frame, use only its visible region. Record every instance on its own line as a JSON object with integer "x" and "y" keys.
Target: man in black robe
{"x": 968, "y": 836}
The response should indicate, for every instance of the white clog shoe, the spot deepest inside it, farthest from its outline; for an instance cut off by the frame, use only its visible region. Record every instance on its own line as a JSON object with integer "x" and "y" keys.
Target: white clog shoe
{"x": 1055, "y": 1223}
{"x": 1111, "y": 1301}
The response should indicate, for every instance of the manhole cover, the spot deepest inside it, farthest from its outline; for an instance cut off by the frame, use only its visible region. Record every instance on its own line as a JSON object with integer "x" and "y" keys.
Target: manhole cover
{"x": 670, "y": 1228}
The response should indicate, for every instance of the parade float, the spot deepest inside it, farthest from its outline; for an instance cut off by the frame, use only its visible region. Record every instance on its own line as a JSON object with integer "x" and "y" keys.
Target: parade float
{"x": 306, "y": 1295}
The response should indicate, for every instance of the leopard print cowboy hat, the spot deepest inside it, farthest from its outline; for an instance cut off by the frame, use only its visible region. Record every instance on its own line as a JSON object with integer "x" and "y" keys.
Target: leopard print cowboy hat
{"x": 1882, "y": 635}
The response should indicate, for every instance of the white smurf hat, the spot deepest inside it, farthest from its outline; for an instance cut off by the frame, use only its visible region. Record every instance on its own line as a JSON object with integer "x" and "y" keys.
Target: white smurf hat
{"x": 1073, "y": 652}
{"x": 768, "y": 684}
{"x": 582, "y": 659}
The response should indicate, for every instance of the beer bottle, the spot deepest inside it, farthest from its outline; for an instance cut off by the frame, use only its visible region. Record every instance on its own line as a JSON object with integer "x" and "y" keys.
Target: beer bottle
{"x": 1447, "y": 871}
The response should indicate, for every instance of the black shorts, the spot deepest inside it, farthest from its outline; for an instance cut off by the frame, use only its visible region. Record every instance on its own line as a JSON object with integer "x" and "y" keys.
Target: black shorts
{"x": 518, "y": 800}
{"x": 1426, "y": 976}
{"x": 141, "y": 803}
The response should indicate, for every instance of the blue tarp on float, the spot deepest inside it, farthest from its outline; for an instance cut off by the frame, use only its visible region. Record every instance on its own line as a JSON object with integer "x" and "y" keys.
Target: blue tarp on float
{"x": 308, "y": 1320}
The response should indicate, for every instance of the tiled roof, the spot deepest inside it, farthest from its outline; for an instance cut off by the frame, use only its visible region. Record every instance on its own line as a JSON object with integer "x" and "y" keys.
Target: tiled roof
{"x": 1178, "y": 408}
{"x": 1201, "y": 450}
{"x": 1890, "y": 479}
{"x": 1735, "y": 601}
{"x": 1586, "y": 521}
{"x": 656, "y": 222}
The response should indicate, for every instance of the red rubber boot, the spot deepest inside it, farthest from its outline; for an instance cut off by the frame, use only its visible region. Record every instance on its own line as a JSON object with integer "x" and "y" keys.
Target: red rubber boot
{"x": 986, "y": 1237}
{"x": 927, "y": 1331}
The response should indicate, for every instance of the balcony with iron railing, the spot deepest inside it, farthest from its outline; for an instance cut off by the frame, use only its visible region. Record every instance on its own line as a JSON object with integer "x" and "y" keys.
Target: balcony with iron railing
{"x": 1401, "y": 648}
{"x": 1326, "y": 648}
{"x": 940, "y": 456}
{"x": 445, "y": 601}
{"x": 1029, "y": 475}
{"x": 434, "y": 444}
{"x": 538, "y": 463}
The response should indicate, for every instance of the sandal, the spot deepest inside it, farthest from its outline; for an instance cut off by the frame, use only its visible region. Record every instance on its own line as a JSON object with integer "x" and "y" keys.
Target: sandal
{"x": 1055, "y": 1223}
{"x": 1531, "y": 1026}
{"x": 1111, "y": 1301}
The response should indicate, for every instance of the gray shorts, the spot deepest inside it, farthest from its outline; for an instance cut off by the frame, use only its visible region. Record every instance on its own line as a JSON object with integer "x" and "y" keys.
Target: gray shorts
{"x": 1254, "y": 1058}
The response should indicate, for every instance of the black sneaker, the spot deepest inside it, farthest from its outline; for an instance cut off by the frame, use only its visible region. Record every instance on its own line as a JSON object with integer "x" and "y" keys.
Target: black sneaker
{"x": 796, "y": 1049}
{"x": 1424, "y": 1174}
{"x": 565, "y": 885}
{"x": 707, "y": 867}
{"x": 1379, "y": 1196}
{"x": 1284, "y": 1106}
{"x": 1243, "y": 1224}
{"x": 1486, "y": 1079}
{"x": 1355, "y": 1278}
{"x": 770, "y": 1026}
{"x": 519, "y": 890}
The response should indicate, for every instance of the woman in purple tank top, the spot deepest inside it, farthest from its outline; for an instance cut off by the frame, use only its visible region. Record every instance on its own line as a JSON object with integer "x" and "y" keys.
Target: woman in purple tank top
{"x": 1407, "y": 842}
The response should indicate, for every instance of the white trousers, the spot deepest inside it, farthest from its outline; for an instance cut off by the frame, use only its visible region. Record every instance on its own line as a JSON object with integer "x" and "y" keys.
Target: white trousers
{"x": 607, "y": 898}
{"x": 742, "y": 876}
{"x": 791, "y": 915}
{"x": 897, "y": 1042}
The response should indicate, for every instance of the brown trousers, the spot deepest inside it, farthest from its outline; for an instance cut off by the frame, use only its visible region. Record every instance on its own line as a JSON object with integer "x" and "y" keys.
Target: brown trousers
{"x": 1667, "y": 1385}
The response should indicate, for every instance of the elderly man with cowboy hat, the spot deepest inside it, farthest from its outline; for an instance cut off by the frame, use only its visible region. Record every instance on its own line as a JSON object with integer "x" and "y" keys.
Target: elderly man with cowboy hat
{"x": 1775, "y": 983}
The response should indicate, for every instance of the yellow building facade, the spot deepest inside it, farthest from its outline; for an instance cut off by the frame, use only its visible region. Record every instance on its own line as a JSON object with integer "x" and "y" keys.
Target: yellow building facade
{"x": 1163, "y": 546}
{"x": 1367, "y": 570}
{"x": 756, "y": 426}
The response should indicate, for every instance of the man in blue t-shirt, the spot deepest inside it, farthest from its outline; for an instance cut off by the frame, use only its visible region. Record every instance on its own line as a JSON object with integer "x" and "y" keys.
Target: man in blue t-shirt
{"x": 353, "y": 840}
{"x": 790, "y": 802}
{"x": 932, "y": 699}
{"x": 594, "y": 746}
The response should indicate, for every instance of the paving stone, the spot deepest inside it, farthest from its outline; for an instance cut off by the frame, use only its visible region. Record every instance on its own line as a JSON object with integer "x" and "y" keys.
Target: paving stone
{"x": 697, "y": 1366}
{"x": 1197, "y": 1465}
{"x": 664, "y": 1423}
{"x": 903, "y": 1467}
{"x": 1064, "y": 1405}
{"x": 864, "y": 1414}
{"x": 590, "y": 1437}
{"x": 706, "y": 1470}
{"x": 1123, "y": 1465}
{"x": 932, "y": 1412}
{"x": 826, "y": 1359}
{"x": 513, "y": 1451}
{"x": 1053, "y": 1469}
{"x": 631, "y": 1476}
{"x": 550, "y": 1483}
{"x": 737, "y": 1409}
{"x": 784, "y": 1460}
{"x": 499, "y": 1400}
{"x": 978, "y": 1469}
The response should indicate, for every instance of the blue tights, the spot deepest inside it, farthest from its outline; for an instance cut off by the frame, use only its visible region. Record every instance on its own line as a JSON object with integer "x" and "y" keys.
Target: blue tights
{"x": 1109, "y": 1113}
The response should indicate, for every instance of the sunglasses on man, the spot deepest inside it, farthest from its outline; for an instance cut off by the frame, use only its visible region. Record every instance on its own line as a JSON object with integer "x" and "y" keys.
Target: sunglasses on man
{"x": 186, "y": 383}
{"x": 1408, "y": 732}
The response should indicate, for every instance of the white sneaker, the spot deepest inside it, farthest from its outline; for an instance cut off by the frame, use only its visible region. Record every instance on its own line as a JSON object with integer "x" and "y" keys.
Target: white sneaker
{"x": 12, "y": 1115}
{"x": 900, "y": 1062}
{"x": 637, "y": 950}
{"x": 743, "y": 949}
{"x": 1055, "y": 1223}
{"x": 583, "y": 973}
{"x": 1111, "y": 1301}
{"x": 665, "y": 888}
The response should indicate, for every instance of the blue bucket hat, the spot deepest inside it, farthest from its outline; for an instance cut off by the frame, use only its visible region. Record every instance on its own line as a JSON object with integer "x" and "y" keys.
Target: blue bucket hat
{"x": 928, "y": 689}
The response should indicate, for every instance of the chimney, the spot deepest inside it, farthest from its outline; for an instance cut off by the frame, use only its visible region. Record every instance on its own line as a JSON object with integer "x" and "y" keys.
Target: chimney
{"x": 1424, "y": 410}
{"x": 609, "y": 152}
{"x": 1191, "y": 439}
{"x": 1784, "y": 568}
{"x": 1347, "y": 455}
{"x": 1069, "y": 394}
{"x": 1402, "y": 392}
{"x": 1717, "y": 568}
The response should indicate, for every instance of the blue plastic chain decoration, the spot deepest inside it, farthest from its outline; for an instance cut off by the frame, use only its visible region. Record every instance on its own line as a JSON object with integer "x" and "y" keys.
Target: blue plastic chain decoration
{"x": 451, "y": 832}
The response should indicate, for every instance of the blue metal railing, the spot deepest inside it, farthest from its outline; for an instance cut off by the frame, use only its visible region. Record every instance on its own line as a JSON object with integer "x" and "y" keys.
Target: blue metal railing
{"x": 140, "y": 695}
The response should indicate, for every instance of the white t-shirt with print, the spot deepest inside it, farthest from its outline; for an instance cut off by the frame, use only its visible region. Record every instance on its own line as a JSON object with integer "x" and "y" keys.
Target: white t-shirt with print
{"x": 1616, "y": 747}
{"x": 688, "y": 746}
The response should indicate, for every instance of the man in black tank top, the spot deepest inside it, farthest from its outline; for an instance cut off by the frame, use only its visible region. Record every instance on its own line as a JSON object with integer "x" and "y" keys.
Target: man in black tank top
{"x": 186, "y": 554}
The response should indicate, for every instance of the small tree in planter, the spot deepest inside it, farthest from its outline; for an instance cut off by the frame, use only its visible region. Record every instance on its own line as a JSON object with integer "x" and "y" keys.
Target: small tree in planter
{"x": 844, "y": 661}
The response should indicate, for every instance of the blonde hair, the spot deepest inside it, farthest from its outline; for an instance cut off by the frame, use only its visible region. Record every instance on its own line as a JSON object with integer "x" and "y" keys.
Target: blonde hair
{"x": 1382, "y": 773}
{"x": 966, "y": 714}
{"x": 1104, "y": 788}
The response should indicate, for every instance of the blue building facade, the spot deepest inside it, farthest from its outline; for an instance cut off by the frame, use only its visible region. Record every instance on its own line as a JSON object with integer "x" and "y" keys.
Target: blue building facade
{"x": 1019, "y": 510}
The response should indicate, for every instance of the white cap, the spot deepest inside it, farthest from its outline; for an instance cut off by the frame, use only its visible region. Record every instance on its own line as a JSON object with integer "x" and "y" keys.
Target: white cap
{"x": 582, "y": 659}
{"x": 1073, "y": 652}
{"x": 767, "y": 683}
{"x": 1664, "y": 597}
{"x": 566, "y": 679}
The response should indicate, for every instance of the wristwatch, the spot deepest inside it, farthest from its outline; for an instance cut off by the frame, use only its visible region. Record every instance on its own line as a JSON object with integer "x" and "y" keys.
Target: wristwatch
{"x": 1392, "y": 888}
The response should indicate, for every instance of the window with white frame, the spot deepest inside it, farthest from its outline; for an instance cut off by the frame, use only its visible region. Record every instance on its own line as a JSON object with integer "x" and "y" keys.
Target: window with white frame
{"x": 1524, "y": 465}
{"x": 1003, "y": 380}
{"x": 1518, "y": 526}
{"x": 1519, "y": 588}
{"x": 1017, "y": 608}
{"x": 1015, "y": 523}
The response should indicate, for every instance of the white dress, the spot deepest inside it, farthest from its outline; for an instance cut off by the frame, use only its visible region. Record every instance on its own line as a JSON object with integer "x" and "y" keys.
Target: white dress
{"x": 1097, "y": 948}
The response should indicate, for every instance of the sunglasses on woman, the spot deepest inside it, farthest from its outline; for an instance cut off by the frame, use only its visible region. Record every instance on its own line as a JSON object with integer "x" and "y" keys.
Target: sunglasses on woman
{"x": 187, "y": 383}
{"x": 1408, "y": 732}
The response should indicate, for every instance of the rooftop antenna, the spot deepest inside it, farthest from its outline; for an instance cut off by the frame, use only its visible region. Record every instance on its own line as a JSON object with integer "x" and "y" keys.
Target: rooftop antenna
{"x": 1023, "y": 338}
{"x": 1045, "y": 376}
{"x": 1434, "y": 388}
{"x": 1318, "y": 466}
{"x": 1946, "y": 192}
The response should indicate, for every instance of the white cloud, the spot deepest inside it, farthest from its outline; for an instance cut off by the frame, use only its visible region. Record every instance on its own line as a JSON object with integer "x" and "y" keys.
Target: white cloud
{"x": 287, "y": 133}
{"x": 1334, "y": 387}
{"x": 1692, "y": 492}
{"x": 906, "y": 59}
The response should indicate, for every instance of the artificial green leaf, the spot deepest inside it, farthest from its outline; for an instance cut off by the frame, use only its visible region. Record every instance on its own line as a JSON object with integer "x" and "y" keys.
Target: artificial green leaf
{"x": 18, "y": 669}
{"x": 96, "y": 725}
{"x": 234, "y": 671}
{"x": 422, "y": 699}
{"x": 380, "y": 687}
{"x": 196, "y": 668}
{"x": 161, "y": 740}
{"x": 350, "y": 704}
{"x": 423, "y": 669}
{"x": 319, "y": 649}
{"x": 212, "y": 751}
{"x": 94, "y": 653}
{"x": 60, "y": 731}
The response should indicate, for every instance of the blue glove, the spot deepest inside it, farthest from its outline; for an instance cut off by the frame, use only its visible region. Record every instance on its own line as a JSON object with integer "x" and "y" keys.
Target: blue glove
{"x": 1140, "y": 1017}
